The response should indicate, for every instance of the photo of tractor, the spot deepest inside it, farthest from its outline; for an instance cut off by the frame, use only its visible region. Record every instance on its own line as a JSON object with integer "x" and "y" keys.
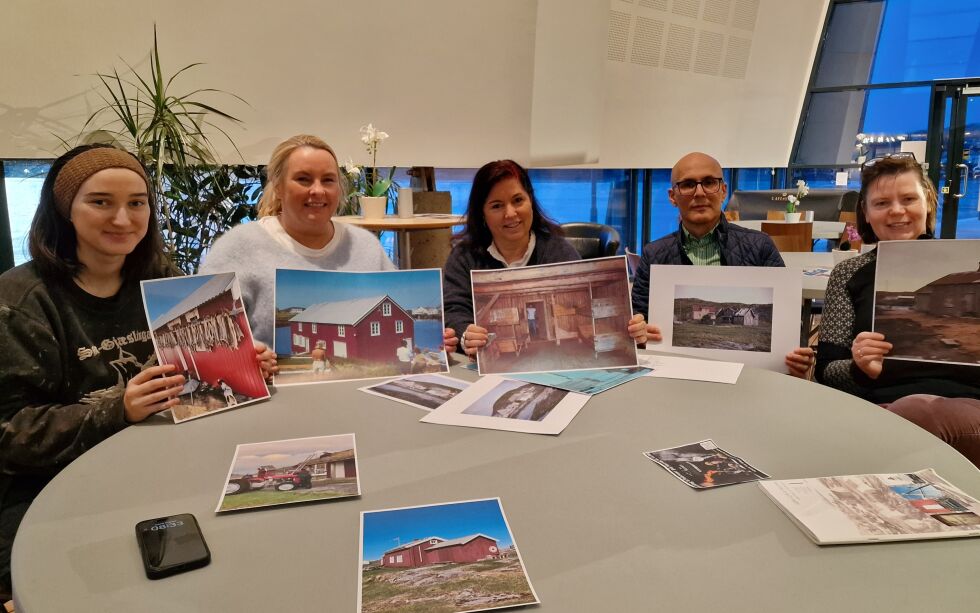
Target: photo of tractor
{"x": 281, "y": 479}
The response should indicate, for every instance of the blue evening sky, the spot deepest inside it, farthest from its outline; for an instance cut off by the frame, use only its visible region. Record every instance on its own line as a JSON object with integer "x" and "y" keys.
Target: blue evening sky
{"x": 160, "y": 296}
{"x": 409, "y": 288}
{"x": 448, "y": 521}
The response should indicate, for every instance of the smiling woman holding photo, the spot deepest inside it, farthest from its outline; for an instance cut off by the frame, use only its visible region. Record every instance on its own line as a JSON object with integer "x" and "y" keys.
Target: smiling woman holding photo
{"x": 505, "y": 228}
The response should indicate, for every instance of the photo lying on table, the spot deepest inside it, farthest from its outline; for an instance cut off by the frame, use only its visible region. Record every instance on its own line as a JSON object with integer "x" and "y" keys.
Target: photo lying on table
{"x": 342, "y": 326}
{"x": 555, "y": 317}
{"x": 457, "y": 556}
{"x": 927, "y": 300}
{"x": 198, "y": 324}
{"x": 585, "y": 381}
{"x": 504, "y": 404}
{"x": 733, "y": 313}
{"x": 423, "y": 391}
{"x": 295, "y": 470}
{"x": 703, "y": 465}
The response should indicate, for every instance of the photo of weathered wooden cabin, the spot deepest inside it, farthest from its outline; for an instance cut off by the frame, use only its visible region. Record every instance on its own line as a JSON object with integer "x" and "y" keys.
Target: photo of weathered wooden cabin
{"x": 554, "y": 317}
{"x": 733, "y": 318}
{"x": 927, "y": 300}
{"x": 437, "y": 550}
{"x": 200, "y": 326}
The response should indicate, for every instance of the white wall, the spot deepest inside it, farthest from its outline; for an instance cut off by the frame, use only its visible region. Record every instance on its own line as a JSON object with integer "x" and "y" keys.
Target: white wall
{"x": 455, "y": 82}
{"x": 654, "y": 114}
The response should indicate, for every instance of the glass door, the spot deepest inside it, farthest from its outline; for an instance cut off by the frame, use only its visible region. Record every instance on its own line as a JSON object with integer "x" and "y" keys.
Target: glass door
{"x": 953, "y": 156}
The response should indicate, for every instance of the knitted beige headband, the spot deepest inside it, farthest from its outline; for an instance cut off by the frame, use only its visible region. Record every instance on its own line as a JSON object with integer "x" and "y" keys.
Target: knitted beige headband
{"x": 83, "y": 166}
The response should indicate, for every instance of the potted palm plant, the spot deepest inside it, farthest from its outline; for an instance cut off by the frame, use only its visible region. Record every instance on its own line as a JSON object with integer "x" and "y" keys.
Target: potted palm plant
{"x": 168, "y": 131}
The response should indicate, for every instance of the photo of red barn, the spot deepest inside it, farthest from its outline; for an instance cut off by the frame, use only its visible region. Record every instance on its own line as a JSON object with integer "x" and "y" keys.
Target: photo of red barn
{"x": 207, "y": 336}
{"x": 437, "y": 550}
{"x": 365, "y": 328}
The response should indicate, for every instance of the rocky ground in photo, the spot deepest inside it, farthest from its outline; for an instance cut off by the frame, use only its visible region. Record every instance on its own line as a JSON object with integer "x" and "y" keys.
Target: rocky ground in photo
{"x": 446, "y": 588}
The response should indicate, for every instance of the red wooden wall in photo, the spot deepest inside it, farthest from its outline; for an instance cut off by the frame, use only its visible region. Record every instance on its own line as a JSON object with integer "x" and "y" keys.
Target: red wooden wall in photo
{"x": 238, "y": 367}
{"x": 357, "y": 339}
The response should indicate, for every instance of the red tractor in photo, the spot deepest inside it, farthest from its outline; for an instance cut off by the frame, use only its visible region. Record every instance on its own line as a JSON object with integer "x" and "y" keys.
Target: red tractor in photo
{"x": 281, "y": 479}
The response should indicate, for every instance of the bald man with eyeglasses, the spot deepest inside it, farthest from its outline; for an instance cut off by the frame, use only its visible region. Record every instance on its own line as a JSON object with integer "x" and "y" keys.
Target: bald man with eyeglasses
{"x": 705, "y": 238}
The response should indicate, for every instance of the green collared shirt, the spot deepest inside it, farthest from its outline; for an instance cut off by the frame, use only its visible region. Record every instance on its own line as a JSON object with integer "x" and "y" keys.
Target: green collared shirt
{"x": 704, "y": 251}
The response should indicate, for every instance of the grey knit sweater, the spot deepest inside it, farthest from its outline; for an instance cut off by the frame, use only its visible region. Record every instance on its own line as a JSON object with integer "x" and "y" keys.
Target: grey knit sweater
{"x": 255, "y": 250}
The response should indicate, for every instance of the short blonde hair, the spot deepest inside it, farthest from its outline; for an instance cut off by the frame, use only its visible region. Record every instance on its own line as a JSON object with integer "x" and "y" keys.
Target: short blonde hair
{"x": 269, "y": 203}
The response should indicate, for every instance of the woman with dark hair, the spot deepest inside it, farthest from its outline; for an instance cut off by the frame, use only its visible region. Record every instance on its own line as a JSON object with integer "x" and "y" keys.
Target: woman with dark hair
{"x": 505, "y": 228}
{"x": 897, "y": 202}
{"x": 76, "y": 365}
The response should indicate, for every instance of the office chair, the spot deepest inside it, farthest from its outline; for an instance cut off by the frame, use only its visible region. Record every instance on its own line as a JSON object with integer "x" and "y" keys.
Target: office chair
{"x": 592, "y": 240}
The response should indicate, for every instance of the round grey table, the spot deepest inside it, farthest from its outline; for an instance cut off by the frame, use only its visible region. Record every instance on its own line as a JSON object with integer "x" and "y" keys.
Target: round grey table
{"x": 599, "y": 526}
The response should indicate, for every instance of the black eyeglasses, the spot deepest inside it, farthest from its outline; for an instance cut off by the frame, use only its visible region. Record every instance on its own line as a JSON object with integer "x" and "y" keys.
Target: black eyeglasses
{"x": 901, "y": 155}
{"x": 687, "y": 187}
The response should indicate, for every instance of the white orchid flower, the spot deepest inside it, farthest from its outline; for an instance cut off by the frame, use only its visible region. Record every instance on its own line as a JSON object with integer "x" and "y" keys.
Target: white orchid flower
{"x": 380, "y": 136}
{"x": 368, "y": 134}
{"x": 351, "y": 168}
{"x": 792, "y": 199}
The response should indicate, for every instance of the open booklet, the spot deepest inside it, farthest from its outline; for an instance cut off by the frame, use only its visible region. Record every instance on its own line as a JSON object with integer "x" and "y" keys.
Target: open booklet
{"x": 872, "y": 508}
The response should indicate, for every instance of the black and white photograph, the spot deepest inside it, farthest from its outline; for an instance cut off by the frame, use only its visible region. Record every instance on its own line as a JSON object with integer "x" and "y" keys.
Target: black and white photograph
{"x": 704, "y": 465}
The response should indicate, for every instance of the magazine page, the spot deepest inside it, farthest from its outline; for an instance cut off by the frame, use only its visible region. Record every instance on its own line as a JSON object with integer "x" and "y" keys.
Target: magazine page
{"x": 870, "y": 508}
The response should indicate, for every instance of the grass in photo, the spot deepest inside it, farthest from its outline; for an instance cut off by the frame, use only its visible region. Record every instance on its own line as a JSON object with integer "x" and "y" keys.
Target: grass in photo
{"x": 290, "y": 471}
{"x": 733, "y": 318}
{"x": 441, "y": 558}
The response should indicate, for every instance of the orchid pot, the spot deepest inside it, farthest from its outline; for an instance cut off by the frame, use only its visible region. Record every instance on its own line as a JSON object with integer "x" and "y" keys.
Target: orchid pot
{"x": 373, "y": 207}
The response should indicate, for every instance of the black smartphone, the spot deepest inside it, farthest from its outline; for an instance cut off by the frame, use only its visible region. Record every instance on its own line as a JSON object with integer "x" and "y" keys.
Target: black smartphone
{"x": 171, "y": 545}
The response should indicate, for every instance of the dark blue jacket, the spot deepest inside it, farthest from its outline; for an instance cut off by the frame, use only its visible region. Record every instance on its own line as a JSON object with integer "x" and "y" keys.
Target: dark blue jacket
{"x": 739, "y": 247}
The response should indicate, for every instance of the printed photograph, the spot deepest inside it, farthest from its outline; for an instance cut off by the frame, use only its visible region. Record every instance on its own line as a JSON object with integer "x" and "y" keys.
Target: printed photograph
{"x": 585, "y": 381}
{"x": 744, "y": 314}
{"x": 295, "y": 470}
{"x": 927, "y": 300}
{"x": 505, "y": 404}
{"x": 198, "y": 324}
{"x": 704, "y": 465}
{"x": 341, "y": 326}
{"x": 555, "y": 317}
{"x": 896, "y": 504}
{"x": 423, "y": 391}
{"x": 734, "y": 318}
{"x": 442, "y": 558}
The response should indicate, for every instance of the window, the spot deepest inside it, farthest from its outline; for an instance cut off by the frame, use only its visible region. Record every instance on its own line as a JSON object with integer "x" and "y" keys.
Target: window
{"x": 313, "y": 328}
{"x": 398, "y": 558}
{"x": 375, "y": 328}
{"x": 300, "y": 328}
{"x": 386, "y": 309}
{"x": 341, "y": 331}
{"x": 399, "y": 326}
{"x": 391, "y": 559}
{"x": 22, "y": 180}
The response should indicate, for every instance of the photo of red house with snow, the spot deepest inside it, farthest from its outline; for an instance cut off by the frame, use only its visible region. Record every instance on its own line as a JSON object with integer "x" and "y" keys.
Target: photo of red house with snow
{"x": 364, "y": 328}
{"x": 437, "y": 550}
{"x": 201, "y": 327}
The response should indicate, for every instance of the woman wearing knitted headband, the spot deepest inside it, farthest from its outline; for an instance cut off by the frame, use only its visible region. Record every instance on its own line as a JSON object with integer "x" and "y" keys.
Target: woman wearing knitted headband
{"x": 76, "y": 349}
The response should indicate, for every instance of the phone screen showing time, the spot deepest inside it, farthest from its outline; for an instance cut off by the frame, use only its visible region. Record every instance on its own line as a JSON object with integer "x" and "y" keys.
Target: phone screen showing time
{"x": 171, "y": 545}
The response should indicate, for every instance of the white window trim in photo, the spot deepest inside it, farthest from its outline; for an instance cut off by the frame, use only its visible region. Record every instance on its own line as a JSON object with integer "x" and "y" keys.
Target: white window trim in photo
{"x": 341, "y": 330}
{"x": 398, "y": 558}
{"x": 319, "y": 469}
{"x": 300, "y": 328}
{"x": 375, "y": 328}
{"x": 386, "y": 309}
{"x": 399, "y": 326}
{"x": 312, "y": 328}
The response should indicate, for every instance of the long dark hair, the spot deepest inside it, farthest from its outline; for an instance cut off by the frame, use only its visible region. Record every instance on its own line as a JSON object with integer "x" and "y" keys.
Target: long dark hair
{"x": 53, "y": 243}
{"x": 891, "y": 166}
{"x": 477, "y": 235}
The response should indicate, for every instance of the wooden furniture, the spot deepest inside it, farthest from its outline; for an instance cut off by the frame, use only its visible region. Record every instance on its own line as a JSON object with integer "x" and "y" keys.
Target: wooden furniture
{"x": 775, "y": 215}
{"x": 509, "y": 334}
{"x": 848, "y": 217}
{"x": 731, "y": 215}
{"x": 828, "y": 230}
{"x": 790, "y": 236}
{"x": 607, "y": 315}
{"x": 403, "y": 227}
